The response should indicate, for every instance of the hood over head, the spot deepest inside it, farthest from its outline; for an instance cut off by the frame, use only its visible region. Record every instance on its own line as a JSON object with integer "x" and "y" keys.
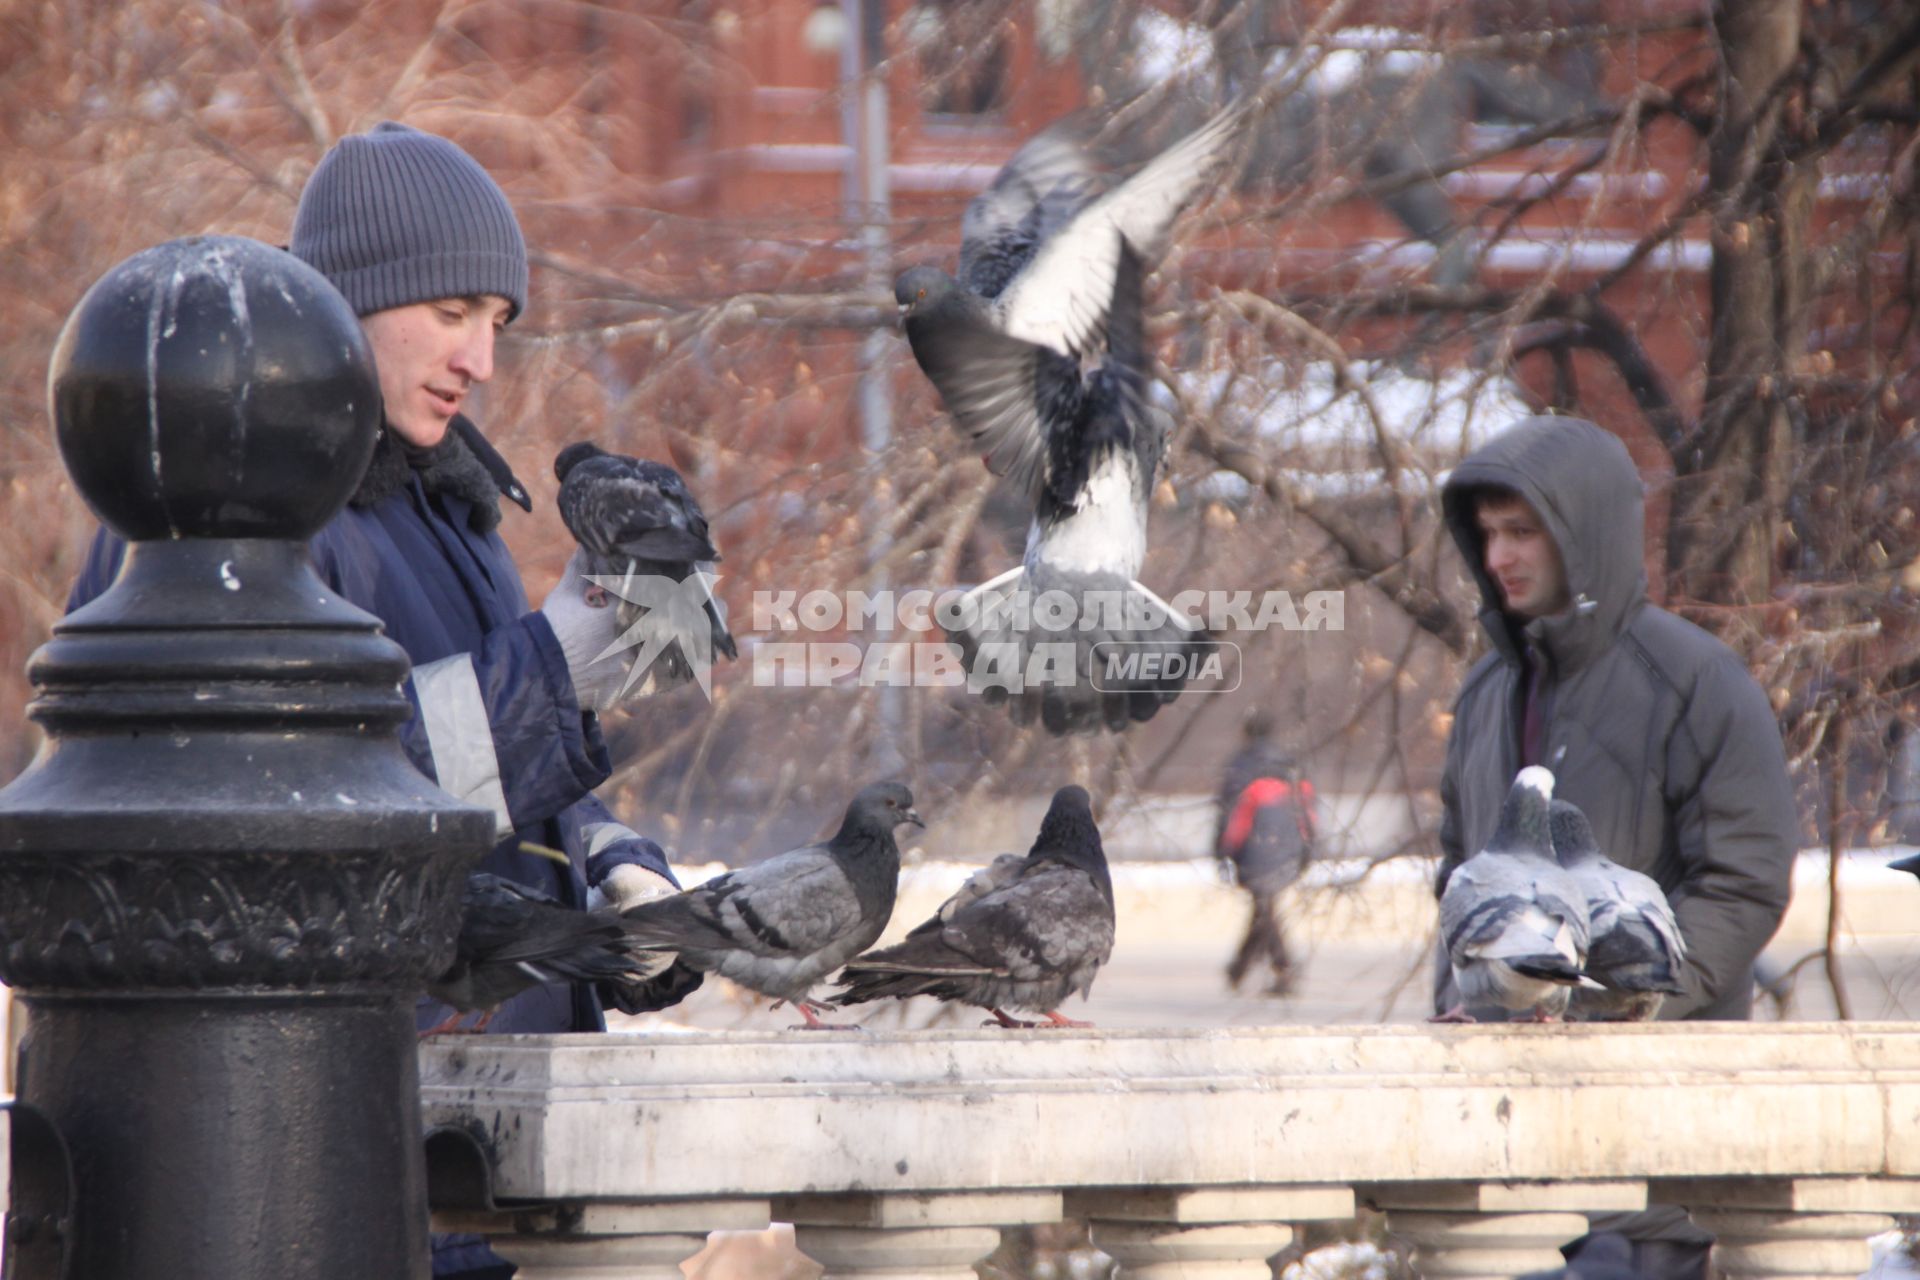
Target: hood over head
{"x": 1584, "y": 486}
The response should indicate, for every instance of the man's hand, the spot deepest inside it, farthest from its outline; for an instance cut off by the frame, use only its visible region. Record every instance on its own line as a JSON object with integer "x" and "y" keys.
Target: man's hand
{"x": 586, "y": 630}
{"x": 620, "y": 877}
{"x": 669, "y": 988}
{"x": 628, "y": 884}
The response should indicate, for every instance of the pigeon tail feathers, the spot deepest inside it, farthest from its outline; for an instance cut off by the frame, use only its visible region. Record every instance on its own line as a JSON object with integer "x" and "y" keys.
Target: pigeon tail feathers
{"x": 1124, "y": 654}
{"x": 1550, "y": 967}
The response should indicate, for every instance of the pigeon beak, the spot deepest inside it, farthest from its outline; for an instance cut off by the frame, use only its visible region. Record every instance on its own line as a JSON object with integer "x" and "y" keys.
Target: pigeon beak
{"x": 913, "y": 816}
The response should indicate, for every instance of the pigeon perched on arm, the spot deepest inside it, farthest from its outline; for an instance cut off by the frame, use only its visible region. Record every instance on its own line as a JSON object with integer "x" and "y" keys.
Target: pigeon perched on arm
{"x": 1514, "y": 920}
{"x": 1039, "y": 353}
{"x": 780, "y": 926}
{"x": 646, "y": 541}
{"x": 1025, "y": 933}
{"x": 1634, "y": 948}
{"x": 513, "y": 937}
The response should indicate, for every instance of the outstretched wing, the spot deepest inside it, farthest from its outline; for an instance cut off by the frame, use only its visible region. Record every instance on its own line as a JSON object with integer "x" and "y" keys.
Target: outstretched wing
{"x": 1005, "y": 393}
{"x": 1061, "y": 299}
{"x": 1048, "y": 180}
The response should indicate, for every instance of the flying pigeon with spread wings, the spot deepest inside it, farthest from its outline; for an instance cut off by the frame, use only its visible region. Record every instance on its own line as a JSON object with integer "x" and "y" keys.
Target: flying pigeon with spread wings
{"x": 1038, "y": 352}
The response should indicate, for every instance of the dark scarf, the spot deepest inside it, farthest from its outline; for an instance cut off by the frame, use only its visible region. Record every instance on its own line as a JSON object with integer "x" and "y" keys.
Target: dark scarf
{"x": 463, "y": 465}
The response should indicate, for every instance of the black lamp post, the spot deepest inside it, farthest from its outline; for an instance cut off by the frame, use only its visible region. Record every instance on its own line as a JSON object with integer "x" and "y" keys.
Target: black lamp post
{"x": 221, "y": 881}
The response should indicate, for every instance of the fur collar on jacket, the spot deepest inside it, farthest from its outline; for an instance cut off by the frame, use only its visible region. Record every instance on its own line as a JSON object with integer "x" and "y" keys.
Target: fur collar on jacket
{"x": 463, "y": 465}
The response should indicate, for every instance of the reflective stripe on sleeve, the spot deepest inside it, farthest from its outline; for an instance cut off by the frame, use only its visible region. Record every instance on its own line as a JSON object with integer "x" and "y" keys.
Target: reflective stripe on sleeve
{"x": 461, "y": 739}
{"x": 599, "y": 835}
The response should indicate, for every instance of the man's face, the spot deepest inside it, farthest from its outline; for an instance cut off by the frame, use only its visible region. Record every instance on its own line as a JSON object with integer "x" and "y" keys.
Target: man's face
{"x": 430, "y": 354}
{"x": 1520, "y": 556}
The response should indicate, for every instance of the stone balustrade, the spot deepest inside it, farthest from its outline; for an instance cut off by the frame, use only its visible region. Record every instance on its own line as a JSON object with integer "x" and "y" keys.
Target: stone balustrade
{"x": 1191, "y": 1153}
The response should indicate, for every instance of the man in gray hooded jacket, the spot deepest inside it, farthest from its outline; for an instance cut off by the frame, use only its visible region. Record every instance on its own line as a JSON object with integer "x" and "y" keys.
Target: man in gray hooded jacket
{"x": 1649, "y": 724}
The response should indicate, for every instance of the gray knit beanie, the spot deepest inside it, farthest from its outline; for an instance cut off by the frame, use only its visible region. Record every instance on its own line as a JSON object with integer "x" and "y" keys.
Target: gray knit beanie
{"x": 397, "y": 216}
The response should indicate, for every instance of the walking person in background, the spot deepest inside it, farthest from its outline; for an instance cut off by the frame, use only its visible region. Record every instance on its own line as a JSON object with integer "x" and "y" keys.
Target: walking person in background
{"x": 423, "y": 244}
{"x": 1265, "y": 835}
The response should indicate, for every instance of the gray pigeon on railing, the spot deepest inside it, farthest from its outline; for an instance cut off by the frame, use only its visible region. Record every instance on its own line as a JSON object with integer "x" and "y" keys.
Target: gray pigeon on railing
{"x": 1634, "y": 947}
{"x": 780, "y": 926}
{"x": 1514, "y": 920}
{"x": 1025, "y": 933}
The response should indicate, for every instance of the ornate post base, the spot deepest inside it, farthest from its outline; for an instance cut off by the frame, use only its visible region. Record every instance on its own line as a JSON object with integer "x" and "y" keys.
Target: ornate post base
{"x": 1191, "y": 1233}
{"x": 279, "y": 1086}
{"x": 1497, "y": 1230}
{"x": 905, "y": 1237}
{"x": 897, "y": 1253}
{"x": 606, "y": 1241}
{"x": 1165, "y": 1251}
{"x": 1486, "y": 1246}
{"x": 656, "y": 1257}
{"x": 1202, "y": 1232}
{"x": 1791, "y": 1246}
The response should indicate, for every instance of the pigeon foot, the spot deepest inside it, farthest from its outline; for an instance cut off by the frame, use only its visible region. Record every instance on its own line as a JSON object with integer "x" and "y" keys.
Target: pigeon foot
{"x": 1456, "y": 1014}
{"x": 450, "y": 1026}
{"x": 1054, "y": 1019}
{"x": 811, "y": 1011}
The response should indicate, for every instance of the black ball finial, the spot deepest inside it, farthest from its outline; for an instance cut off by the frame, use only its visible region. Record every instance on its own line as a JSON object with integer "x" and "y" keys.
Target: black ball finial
{"x": 214, "y": 387}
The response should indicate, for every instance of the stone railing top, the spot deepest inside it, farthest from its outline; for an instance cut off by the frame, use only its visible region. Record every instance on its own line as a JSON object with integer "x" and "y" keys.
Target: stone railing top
{"x": 758, "y": 1114}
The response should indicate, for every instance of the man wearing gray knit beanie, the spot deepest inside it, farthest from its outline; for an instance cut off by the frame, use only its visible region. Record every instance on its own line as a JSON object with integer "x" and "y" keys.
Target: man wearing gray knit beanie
{"x": 424, "y": 245}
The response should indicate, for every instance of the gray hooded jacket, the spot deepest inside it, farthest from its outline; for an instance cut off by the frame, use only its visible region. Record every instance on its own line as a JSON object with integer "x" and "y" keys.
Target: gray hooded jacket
{"x": 1652, "y": 726}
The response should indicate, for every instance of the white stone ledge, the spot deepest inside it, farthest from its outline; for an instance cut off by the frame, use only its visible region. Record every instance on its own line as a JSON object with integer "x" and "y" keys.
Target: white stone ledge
{"x": 759, "y": 1115}
{"x": 1509, "y": 1197}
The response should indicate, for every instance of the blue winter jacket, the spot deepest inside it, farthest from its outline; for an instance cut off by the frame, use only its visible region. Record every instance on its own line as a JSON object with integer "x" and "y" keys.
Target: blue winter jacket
{"x": 495, "y": 719}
